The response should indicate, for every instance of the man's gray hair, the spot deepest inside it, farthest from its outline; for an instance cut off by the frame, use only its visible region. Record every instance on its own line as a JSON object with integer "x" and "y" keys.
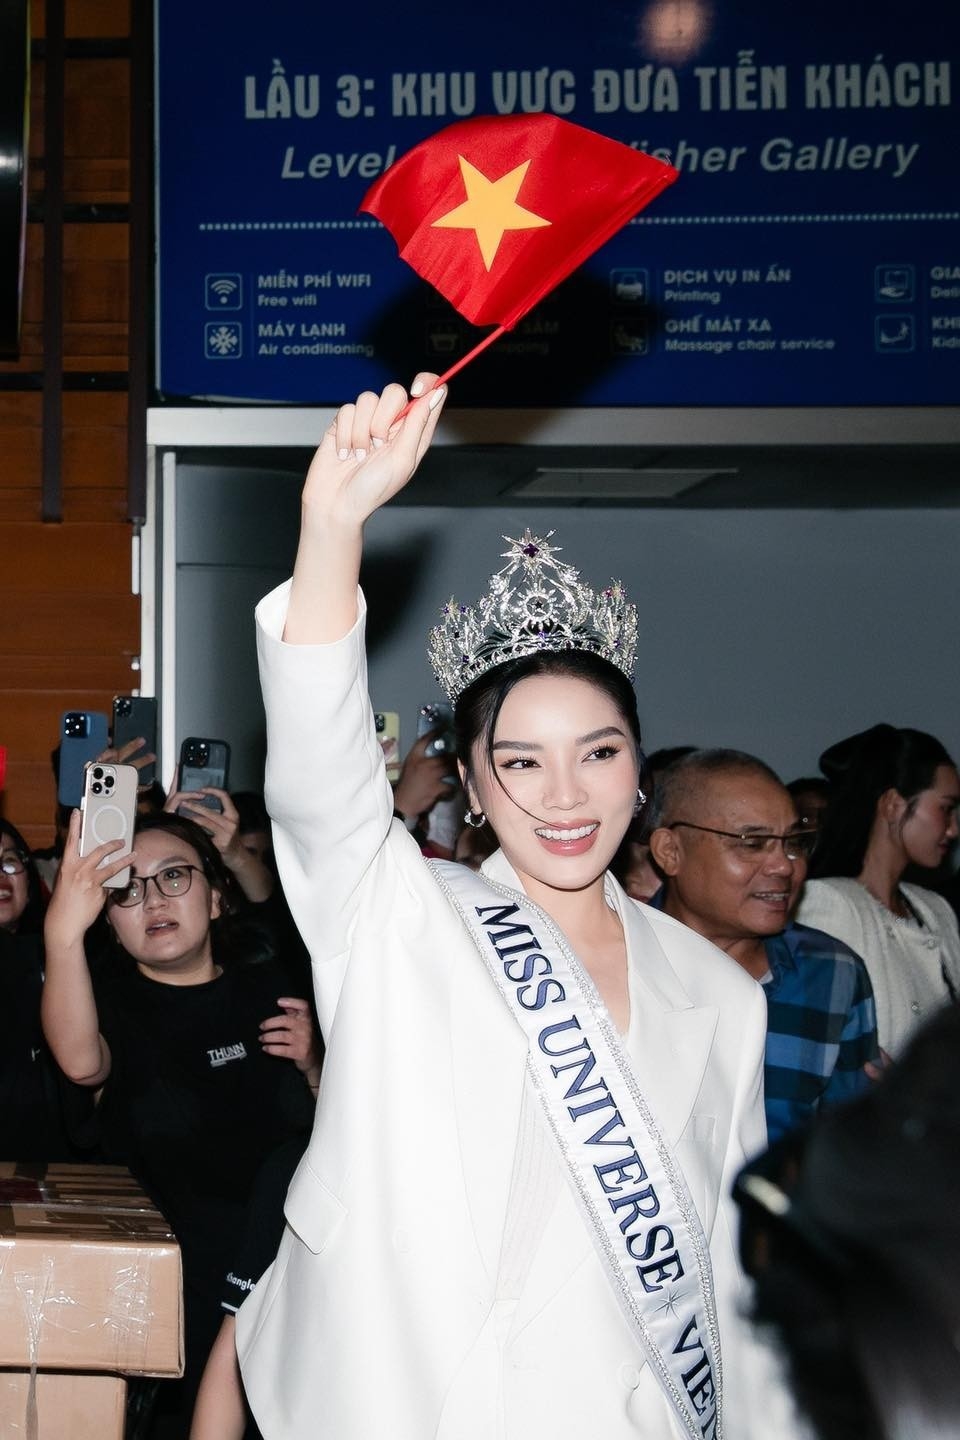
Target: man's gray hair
{"x": 677, "y": 785}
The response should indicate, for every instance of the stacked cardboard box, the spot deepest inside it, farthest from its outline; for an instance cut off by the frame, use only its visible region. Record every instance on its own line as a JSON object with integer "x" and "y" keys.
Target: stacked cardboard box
{"x": 90, "y": 1291}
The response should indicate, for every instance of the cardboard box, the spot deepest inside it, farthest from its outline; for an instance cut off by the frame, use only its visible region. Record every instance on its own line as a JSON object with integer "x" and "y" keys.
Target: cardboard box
{"x": 89, "y": 1273}
{"x": 63, "y": 1407}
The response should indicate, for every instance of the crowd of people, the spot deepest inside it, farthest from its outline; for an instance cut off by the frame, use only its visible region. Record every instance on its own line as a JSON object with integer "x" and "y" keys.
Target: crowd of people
{"x": 537, "y": 1096}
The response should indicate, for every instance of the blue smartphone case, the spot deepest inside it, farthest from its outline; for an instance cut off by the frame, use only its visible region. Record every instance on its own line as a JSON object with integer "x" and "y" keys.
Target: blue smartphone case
{"x": 84, "y": 734}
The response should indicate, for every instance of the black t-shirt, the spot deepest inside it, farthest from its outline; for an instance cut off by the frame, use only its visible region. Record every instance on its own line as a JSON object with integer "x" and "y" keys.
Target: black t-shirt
{"x": 263, "y": 1229}
{"x": 192, "y": 1104}
{"x": 41, "y": 1113}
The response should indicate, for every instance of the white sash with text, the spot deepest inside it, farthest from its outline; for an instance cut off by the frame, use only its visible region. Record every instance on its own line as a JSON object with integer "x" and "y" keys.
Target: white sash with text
{"x": 631, "y": 1191}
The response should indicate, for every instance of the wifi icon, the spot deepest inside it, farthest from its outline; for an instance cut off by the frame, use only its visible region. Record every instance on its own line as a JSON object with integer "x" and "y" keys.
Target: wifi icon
{"x": 223, "y": 291}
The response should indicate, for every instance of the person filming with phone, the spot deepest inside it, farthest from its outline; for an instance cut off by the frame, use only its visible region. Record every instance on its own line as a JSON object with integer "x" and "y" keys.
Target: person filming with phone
{"x": 205, "y": 1062}
{"x": 424, "y": 781}
{"x": 249, "y": 870}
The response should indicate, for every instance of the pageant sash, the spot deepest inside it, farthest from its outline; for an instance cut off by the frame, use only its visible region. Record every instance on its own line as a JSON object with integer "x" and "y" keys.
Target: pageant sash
{"x": 630, "y": 1189}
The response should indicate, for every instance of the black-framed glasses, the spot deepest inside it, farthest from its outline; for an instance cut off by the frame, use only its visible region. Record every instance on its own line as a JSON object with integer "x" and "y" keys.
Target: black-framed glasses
{"x": 12, "y": 862}
{"x": 172, "y": 881}
{"x": 797, "y": 844}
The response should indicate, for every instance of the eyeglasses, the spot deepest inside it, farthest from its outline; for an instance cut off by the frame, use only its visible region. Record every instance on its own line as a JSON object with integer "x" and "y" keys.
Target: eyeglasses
{"x": 797, "y": 844}
{"x": 12, "y": 862}
{"x": 175, "y": 880}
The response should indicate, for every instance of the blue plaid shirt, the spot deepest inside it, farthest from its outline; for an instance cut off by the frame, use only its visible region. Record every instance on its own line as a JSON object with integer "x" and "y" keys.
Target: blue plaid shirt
{"x": 821, "y": 1026}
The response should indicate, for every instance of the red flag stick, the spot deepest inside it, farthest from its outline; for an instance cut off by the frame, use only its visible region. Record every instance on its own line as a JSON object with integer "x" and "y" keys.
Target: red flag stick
{"x": 455, "y": 369}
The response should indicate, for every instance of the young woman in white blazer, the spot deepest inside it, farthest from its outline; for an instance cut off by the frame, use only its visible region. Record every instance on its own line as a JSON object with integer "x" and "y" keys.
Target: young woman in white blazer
{"x": 513, "y": 1219}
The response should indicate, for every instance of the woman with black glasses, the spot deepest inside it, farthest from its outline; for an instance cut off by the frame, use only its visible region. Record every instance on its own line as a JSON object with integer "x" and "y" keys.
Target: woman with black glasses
{"x": 183, "y": 1039}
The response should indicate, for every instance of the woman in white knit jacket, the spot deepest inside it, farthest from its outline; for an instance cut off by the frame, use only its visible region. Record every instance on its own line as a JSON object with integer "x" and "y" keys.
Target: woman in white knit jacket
{"x": 893, "y": 804}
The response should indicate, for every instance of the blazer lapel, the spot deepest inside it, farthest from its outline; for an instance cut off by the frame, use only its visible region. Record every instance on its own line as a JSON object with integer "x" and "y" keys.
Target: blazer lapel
{"x": 668, "y": 1045}
{"x": 670, "y": 1038}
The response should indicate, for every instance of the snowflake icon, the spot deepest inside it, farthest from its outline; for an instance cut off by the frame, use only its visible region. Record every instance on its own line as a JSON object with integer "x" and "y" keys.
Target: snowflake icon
{"x": 222, "y": 341}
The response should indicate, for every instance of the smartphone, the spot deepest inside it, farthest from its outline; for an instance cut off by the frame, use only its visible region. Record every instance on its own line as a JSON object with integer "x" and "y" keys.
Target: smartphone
{"x": 202, "y": 763}
{"x": 135, "y": 715}
{"x": 83, "y": 736}
{"x": 387, "y": 725}
{"x": 437, "y": 716}
{"x": 108, "y": 808}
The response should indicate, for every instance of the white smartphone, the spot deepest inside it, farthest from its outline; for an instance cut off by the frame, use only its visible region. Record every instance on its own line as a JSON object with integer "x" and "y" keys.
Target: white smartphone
{"x": 109, "y": 811}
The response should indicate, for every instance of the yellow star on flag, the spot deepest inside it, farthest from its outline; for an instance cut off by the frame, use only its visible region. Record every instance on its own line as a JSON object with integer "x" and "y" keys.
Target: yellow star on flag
{"x": 491, "y": 208}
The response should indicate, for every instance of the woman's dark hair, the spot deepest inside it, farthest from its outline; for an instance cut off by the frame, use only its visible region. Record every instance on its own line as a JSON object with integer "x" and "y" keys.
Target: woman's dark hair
{"x": 860, "y": 769}
{"x": 229, "y": 934}
{"x": 810, "y": 785}
{"x": 252, "y": 811}
{"x": 31, "y": 921}
{"x": 477, "y": 709}
{"x": 857, "y": 1265}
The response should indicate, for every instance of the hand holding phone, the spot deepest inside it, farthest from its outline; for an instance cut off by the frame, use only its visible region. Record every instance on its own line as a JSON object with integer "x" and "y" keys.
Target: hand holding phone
{"x": 425, "y": 776}
{"x": 109, "y": 812}
{"x": 135, "y": 718}
{"x": 204, "y": 765}
{"x": 438, "y": 717}
{"x": 81, "y": 888}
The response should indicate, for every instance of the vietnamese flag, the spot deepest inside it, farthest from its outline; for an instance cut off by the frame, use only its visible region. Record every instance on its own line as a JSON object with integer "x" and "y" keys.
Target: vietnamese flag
{"x": 496, "y": 211}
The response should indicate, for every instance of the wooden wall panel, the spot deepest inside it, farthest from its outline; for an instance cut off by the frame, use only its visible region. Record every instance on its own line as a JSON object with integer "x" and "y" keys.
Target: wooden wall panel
{"x": 69, "y": 646}
{"x": 96, "y": 131}
{"x": 80, "y": 506}
{"x": 71, "y": 626}
{"x": 96, "y": 100}
{"x": 84, "y": 560}
{"x": 19, "y": 439}
{"x": 95, "y": 299}
{"x": 88, "y": 19}
{"x": 37, "y": 715}
{"x": 74, "y": 672}
{"x": 94, "y": 456}
{"x": 54, "y": 621}
{"x": 31, "y": 799}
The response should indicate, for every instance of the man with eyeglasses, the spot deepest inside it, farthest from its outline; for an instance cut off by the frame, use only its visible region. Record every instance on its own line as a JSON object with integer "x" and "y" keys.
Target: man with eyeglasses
{"x": 733, "y": 853}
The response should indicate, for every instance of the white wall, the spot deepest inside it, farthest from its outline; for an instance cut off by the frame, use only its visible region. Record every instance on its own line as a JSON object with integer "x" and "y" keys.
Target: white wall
{"x": 774, "y": 631}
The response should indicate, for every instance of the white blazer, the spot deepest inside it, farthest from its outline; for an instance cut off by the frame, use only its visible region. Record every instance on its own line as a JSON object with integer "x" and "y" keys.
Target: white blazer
{"x": 906, "y": 962}
{"x": 379, "y": 1319}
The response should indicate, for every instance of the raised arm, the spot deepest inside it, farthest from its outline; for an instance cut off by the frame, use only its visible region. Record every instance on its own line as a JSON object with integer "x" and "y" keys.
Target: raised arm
{"x": 68, "y": 1009}
{"x": 326, "y": 787}
{"x": 364, "y": 459}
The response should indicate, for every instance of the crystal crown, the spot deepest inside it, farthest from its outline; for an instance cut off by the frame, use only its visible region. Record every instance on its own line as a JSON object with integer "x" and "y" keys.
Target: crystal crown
{"x": 534, "y": 603}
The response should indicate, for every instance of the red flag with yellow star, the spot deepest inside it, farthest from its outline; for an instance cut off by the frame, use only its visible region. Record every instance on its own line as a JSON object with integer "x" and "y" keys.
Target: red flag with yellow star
{"x": 496, "y": 211}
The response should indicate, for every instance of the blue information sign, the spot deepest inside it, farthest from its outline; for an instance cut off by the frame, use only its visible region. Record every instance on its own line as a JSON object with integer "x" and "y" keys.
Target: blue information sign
{"x": 809, "y": 254}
